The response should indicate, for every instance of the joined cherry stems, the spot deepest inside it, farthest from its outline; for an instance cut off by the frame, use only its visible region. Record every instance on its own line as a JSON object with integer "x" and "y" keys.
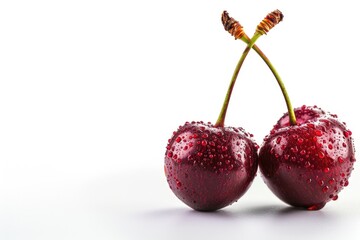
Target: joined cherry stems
{"x": 236, "y": 30}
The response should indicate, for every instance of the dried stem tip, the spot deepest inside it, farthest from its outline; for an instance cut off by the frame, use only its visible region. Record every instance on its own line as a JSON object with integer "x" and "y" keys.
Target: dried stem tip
{"x": 232, "y": 26}
{"x": 269, "y": 22}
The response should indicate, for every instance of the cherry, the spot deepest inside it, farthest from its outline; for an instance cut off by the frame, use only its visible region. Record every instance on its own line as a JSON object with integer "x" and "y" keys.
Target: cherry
{"x": 210, "y": 166}
{"x": 306, "y": 165}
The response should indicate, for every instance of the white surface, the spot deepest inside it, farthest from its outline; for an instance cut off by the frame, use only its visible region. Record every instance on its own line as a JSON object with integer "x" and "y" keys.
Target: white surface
{"x": 139, "y": 205}
{"x": 90, "y": 91}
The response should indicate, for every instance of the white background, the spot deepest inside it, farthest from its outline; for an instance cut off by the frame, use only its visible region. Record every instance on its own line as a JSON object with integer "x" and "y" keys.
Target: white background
{"x": 90, "y": 91}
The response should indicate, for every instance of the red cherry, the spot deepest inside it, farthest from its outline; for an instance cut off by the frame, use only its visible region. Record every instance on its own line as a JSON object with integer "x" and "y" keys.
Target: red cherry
{"x": 213, "y": 167}
{"x": 312, "y": 161}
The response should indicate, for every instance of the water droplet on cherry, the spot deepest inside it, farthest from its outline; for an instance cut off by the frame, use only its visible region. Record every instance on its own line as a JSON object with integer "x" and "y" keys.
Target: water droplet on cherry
{"x": 318, "y": 132}
{"x": 178, "y": 183}
{"x": 347, "y": 133}
{"x": 294, "y": 149}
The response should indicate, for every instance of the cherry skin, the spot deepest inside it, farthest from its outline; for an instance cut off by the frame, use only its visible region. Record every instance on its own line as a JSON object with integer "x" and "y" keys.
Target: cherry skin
{"x": 308, "y": 164}
{"x": 210, "y": 167}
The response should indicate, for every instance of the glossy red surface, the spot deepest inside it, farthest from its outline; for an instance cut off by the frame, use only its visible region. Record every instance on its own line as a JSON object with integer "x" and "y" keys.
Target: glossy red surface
{"x": 307, "y": 165}
{"x": 210, "y": 167}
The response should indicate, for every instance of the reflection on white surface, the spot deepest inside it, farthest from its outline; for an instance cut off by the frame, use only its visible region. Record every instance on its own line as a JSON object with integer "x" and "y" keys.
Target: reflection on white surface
{"x": 255, "y": 216}
{"x": 123, "y": 206}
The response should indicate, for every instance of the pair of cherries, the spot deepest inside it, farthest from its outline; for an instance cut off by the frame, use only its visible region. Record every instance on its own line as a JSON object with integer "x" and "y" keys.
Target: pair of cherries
{"x": 306, "y": 159}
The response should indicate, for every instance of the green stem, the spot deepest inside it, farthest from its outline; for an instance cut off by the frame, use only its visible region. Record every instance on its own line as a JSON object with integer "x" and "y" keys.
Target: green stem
{"x": 291, "y": 112}
{"x": 221, "y": 119}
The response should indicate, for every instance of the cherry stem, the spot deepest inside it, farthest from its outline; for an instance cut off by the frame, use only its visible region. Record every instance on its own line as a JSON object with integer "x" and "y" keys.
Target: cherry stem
{"x": 290, "y": 109}
{"x": 221, "y": 119}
